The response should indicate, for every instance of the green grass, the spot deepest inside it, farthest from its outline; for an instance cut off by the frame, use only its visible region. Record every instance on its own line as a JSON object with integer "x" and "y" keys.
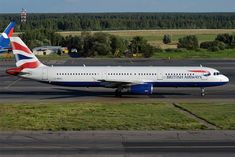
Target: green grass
{"x": 223, "y": 115}
{"x": 42, "y": 58}
{"x": 84, "y": 116}
{"x": 53, "y": 57}
{"x": 185, "y": 54}
{"x": 175, "y": 38}
{"x": 191, "y": 54}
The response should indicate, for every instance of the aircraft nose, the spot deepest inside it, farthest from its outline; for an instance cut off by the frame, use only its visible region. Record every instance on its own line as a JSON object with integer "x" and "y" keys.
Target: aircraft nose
{"x": 225, "y": 79}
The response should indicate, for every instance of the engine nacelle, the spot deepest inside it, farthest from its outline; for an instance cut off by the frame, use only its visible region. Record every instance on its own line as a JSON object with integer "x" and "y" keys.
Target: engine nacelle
{"x": 145, "y": 89}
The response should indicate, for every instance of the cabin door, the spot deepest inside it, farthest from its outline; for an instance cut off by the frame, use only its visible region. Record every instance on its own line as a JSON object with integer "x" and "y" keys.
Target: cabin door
{"x": 160, "y": 76}
{"x": 104, "y": 75}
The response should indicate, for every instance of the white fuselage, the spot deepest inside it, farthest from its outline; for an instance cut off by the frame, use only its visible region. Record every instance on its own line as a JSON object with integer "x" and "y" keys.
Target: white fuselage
{"x": 105, "y": 76}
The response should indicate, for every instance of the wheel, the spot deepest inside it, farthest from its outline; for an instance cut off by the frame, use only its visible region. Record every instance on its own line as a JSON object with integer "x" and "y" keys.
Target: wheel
{"x": 203, "y": 92}
{"x": 118, "y": 93}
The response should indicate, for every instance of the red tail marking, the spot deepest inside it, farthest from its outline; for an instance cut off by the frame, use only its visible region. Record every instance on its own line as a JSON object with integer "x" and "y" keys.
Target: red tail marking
{"x": 11, "y": 32}
{"x": 14, "y": 71}
{"x": 17, "y": 46}
{"x": 30, "y": 65}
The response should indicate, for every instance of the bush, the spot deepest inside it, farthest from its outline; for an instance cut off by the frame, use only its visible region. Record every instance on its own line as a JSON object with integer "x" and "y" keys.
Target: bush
{"x": 174, "y": 50}
{"x": 167, "y": 39}
{"x": 148, "y": 50}
{"x": 225, "y": 38}
{"x": 189, "y": 42}
{"x": 158, "y": 49}
{"x": 139, "y": 45}
{"x": 118, "y": 45}
{"x": 214, "y": 48}
{"x": 213, "y": 45}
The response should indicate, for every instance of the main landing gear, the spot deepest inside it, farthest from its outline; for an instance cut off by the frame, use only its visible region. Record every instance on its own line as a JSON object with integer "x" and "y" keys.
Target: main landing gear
{"x": 203, "y": 93}
{"x": 118, "y": 92}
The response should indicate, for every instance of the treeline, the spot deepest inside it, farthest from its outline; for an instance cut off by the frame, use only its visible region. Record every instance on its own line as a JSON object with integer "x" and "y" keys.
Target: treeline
{"x": 104, "y": 44}
{"x": 90, "y": 45}
{"x": 121, "y": 21}
{"x": 221, "y": 42}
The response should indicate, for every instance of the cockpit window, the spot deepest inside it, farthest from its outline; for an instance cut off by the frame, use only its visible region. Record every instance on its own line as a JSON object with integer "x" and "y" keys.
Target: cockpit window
{"x": 216, "y": 73}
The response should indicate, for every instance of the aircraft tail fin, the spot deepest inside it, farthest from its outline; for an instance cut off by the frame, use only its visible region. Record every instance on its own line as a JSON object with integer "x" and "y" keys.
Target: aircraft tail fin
{"x": 5, "y": 36}
{"x": 10, "y": 29}
{"x": 23, "y": 55}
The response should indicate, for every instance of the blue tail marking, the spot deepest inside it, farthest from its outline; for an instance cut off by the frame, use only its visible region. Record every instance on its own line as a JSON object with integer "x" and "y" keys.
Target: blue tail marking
{"x": 4, "y": 37}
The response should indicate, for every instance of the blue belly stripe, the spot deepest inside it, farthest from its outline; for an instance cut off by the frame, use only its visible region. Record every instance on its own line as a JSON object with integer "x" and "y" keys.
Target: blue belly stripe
{"x": 188, "y": 84}
{"x": 155, "y": 84}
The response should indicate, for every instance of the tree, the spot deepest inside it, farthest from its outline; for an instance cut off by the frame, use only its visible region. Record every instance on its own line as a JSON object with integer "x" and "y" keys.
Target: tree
{"x": 41, "y": 37}
{"x": 102, "y": 43}
{"x": 225, "y": 38}
{"x": 166, "y": 39}
{"x": 228, "y": 39}
{"x": 148, "y": 50}
{"x": 213, "y": 45}
{"x": 139, "y": 45}
{"x": 136, "y": 44}
{"x": 88, "y": 41}
{"x": 118, "y": 46}
{"x": 189, "y": 42}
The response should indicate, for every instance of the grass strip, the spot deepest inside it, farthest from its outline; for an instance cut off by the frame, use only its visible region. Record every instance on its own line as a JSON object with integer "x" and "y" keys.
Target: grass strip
{"x": 85, "y": 116}
{"x": 222, "y": 114}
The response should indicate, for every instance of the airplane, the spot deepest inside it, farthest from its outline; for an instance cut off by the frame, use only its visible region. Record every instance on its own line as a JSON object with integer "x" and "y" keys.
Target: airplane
{"x": 5, "y": 38}
{"x": 135, "y": 79}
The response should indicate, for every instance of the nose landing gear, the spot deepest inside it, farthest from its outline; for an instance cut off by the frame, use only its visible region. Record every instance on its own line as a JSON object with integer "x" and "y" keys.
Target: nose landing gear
{"x": 203, "y": 93}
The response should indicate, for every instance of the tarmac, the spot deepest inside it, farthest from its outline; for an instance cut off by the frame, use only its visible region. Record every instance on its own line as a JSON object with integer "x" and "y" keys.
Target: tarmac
{"x": 14, "y": 89}
{"x": 119, "y": 143}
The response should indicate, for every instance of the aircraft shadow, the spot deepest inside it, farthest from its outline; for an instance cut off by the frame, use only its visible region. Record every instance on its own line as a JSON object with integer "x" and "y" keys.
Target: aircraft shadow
{"x": 62, "y": 93}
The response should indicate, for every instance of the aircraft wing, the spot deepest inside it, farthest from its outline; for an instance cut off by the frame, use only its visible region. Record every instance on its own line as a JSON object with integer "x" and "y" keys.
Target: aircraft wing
{"x": 124, "y": 83}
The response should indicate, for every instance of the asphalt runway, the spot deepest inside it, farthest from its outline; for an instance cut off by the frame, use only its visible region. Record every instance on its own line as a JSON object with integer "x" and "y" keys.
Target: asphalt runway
{"x": 126, "y": 144}
{"x": 13, "y": 89}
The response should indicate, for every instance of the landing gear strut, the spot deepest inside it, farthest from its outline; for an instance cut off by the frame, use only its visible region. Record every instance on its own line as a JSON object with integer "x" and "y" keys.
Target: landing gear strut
{"x": 118, "y": 92}
{"x": 203, "y": 93}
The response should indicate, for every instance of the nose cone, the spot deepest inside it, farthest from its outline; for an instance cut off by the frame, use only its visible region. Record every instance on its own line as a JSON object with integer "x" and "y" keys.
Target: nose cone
{"x": 225, "y": 79}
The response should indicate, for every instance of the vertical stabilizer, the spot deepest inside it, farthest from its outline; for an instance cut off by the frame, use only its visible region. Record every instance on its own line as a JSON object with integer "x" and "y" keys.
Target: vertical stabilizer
{"x": 24, "y": 56}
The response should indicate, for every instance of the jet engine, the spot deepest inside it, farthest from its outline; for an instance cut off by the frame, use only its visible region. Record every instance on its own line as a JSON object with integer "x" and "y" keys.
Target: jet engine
{"x": 144, "y": 89}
